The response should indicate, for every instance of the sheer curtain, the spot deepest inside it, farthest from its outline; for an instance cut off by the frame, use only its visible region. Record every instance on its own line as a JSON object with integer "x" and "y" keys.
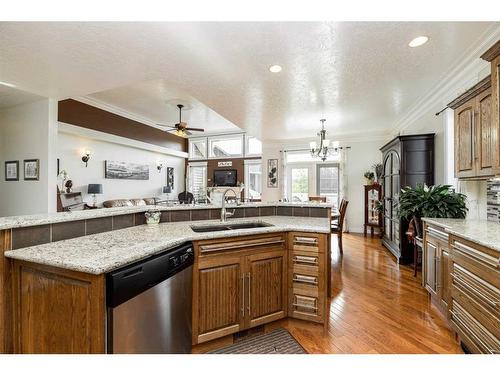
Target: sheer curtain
{"x": 344, "y": 181}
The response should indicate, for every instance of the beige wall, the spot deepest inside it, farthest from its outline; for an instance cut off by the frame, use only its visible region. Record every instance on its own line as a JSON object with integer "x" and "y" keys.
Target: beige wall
{"x": 27, "y": 131}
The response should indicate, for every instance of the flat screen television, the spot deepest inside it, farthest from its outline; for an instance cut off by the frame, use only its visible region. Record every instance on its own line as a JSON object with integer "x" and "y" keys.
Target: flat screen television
{"x": 225, "y": 177}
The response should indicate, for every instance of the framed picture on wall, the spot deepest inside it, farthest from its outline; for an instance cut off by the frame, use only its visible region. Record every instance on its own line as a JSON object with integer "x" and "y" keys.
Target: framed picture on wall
{"x": 31, "y": 169}
{"x": 12, "y": 170}
{"x": 170, "y": 177}
{"x": 272, "y": 173}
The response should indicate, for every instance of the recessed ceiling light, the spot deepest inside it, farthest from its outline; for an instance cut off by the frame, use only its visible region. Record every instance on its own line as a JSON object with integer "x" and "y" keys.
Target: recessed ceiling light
{"x": 418, "y": 41}
{"x": 7, "y": 84}
{"x": 275, "y": 69}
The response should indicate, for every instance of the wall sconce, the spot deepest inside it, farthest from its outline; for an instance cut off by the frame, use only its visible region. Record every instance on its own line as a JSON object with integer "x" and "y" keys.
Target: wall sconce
{"x": 86, "y": 157}
{"x": 159, "y": 166}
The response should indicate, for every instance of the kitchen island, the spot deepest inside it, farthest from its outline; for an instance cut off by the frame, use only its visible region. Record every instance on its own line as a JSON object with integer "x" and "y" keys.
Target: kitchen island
{"x": 461, "y": 272}
{"x": 57, "y": 298}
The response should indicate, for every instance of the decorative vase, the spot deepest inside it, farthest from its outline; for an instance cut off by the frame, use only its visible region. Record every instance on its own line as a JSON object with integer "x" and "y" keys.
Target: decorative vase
{"x": 152, "y": 217}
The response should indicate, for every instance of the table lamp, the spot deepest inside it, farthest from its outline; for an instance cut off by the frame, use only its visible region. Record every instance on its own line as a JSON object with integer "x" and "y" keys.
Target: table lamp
{"x": 94, "y": 189}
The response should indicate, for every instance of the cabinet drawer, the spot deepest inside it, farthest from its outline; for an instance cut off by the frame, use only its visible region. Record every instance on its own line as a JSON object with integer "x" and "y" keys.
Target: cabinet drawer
{"x": 309, "y": 242}
{"x": 213, "y": 247}
{"x": 306, "y": 307}
{"x": 438, "y": 234}
{"x": 300, "y": 258}
{"x": 483, "y": 262}
{"x": 479, "y": 290}
{"x": 472, "y": 332}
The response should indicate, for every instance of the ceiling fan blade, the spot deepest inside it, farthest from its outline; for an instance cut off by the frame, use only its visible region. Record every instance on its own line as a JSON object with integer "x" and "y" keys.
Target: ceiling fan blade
{"x": 166, "y": 126}
{"x": 195, "y": 129}
{"x": 187, "y": 132}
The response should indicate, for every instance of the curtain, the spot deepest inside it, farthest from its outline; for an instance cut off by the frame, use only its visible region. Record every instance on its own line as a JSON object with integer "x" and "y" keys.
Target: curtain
{"x": 344, "y": 181}
{"x": 282, "y": 183}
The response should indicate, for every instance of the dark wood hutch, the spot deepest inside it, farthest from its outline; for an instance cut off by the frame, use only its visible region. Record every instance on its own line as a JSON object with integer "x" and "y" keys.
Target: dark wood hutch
{"x": 408, "y": 160}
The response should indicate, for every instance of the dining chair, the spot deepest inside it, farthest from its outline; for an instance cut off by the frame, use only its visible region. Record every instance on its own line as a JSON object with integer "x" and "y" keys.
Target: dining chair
{"x": 337, "y": 228}
{"x": 317, "y": 199}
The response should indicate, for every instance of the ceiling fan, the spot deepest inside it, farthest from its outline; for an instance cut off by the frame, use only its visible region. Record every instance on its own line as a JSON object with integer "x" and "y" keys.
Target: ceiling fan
{"x": 181, "y": 128}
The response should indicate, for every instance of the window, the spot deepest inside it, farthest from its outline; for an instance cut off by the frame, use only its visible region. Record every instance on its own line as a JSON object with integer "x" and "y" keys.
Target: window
{"x": 253, "y": 179}
{"x": 197, "y": 180}
{"x": 254, "y": 146}
{"x": 327, "y": 182}
{"x": 299, "y": 184}
{"x": 198, "y": 148}
{"x": 226, "y": 147}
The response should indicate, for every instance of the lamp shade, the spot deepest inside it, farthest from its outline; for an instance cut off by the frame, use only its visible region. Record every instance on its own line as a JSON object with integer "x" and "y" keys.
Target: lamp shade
{"x": 94, "y": 189}
{"x": 167, "y": 190}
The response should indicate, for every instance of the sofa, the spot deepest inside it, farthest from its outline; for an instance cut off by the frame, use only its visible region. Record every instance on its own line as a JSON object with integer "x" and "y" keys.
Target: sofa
{"x": 129, "y": 202}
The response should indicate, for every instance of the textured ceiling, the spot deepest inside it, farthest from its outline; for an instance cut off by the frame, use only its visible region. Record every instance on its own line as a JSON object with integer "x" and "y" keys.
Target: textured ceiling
{"x": 361, "y": 76}
{"x": 157, "y": 101}
{"x": 10, "y": 97}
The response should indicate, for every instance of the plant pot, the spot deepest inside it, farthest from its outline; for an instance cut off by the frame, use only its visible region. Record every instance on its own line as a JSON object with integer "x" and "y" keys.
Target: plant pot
{"x": 418, "y": 226}
{"x": 152, "y": 217}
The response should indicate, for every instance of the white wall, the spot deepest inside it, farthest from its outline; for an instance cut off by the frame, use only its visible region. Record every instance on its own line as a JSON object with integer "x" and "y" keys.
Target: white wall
{"x": 26, "y": 132}
{"x": 70, "y": 149}
{"x": 424, "y": 120}
{"x": 362, "y": 155}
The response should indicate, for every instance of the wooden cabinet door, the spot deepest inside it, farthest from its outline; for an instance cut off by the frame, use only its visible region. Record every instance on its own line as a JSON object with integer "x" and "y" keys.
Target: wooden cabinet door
{"x": 444, "y": 281}
{"x": 430, "y": 257}
{"x": 465, "y": 140}
{"x": 484, "y": 156}
{"x": 495, "y": 105}
{"x": 217, "y": 297}
{"x": 266, "y": 287}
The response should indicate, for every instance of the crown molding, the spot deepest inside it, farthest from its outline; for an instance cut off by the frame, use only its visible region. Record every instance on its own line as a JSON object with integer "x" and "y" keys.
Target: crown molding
{"x": 467, "y": 69}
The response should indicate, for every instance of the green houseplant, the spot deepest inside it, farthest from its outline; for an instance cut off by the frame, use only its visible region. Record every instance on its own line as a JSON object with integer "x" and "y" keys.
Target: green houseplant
{"x": 439, "y": 201}
{"x": 370, "y": 176}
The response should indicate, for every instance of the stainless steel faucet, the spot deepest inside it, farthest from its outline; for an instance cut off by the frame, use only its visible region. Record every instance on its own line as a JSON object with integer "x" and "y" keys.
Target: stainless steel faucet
{"x": 223, "y": 213}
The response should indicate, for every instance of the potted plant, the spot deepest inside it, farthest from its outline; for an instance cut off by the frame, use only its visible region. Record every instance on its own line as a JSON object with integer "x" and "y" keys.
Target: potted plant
{"x": 370, "y": 176}
{"x": 439, "y": 201}
{"x": 379, "y": 170}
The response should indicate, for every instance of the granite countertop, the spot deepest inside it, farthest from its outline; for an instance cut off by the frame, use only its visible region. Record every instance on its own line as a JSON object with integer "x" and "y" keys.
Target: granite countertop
{"x": 59, "y": 217}
{"x": 482, "y": 232}
{"x": 105, "y": 252}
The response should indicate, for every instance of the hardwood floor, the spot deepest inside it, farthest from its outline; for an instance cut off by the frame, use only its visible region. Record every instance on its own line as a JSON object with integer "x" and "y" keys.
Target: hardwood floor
{"x": 377, "y": 306}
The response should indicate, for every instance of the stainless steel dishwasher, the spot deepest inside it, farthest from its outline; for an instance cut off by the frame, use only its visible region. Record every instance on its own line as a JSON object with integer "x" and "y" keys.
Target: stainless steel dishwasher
{"x": 149, "y": 304}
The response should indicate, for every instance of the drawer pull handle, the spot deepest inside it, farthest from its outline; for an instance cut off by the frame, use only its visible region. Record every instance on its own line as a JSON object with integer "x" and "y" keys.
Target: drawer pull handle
{"x": 231, "y": 246}
{"x": 306, "y": 279}
{"x": 304, "y": 259}
{"x": 438, "y": 234}
{"x": 463, "y": 283}
{"x": 307, "y": 240}
{"x": 476, "y": 255}
{"x": 305, "y": 306}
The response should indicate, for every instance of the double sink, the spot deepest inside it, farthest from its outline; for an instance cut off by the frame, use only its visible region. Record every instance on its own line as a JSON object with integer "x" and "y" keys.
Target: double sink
{"x": 228, "y": 226}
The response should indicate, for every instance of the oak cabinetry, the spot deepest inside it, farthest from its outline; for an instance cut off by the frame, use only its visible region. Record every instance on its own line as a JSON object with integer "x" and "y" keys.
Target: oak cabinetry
{"x": 238, "y": 284}
{"x": 244, "y": 282}
{"x": 474, "y": 132}
{"x": 492, "y": 55}
{"x": 307, "y": 276}
{"x": 464, "y": 282}
{"x": 436, "y": 269}
{"x": 475, "y": 295}
{"x": 57, "y": 311}
{"x": 267, "y": 287}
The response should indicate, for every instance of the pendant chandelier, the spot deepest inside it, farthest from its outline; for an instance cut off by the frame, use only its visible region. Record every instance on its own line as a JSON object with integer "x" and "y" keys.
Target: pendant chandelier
{"x": 324, "y": 149}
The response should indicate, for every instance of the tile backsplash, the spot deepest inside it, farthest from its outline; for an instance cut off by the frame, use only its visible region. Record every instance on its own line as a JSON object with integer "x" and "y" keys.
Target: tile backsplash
{"x": 493, "y": 200}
